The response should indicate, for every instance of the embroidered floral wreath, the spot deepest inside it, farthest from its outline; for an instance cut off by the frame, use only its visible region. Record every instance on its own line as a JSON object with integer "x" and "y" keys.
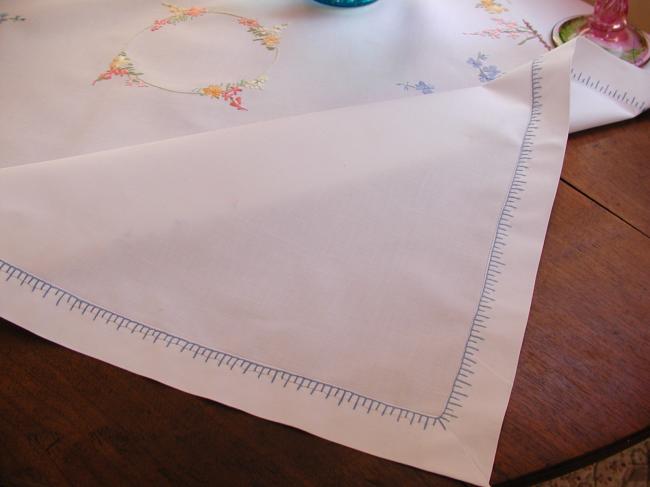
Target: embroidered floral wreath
{"x": 231, "y": 92}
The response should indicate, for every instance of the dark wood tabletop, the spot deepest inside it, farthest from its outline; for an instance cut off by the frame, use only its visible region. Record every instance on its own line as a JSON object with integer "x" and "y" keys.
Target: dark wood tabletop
{"x": 583, "y": 381}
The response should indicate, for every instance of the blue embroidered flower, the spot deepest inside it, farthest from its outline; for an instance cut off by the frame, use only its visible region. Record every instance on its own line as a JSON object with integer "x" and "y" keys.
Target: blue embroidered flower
{"x": 489, "y": 73}
{"x": 478, "y": 62}
{"x": 425, "y": 88}
{"x": 485, "y": 72}
{"x": 421, "y": 86}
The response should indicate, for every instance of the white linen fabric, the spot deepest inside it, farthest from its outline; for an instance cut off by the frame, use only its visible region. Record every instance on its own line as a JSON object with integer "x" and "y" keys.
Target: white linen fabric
{"x": 342, "y": 257}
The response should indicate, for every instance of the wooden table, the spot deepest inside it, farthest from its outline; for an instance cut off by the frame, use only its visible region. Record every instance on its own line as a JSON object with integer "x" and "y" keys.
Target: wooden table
{"x": 583, "y": 380}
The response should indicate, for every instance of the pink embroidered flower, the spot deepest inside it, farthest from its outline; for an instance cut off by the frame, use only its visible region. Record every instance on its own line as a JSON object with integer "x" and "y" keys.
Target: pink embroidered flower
{"x": 231, "y": 95}
{"x": 121, "y": 66}
{"x": 232, "y": 91}
{"x": 103, "y": 76}
{"x": 157, "y": 24}
{"x": 236, "y": 102}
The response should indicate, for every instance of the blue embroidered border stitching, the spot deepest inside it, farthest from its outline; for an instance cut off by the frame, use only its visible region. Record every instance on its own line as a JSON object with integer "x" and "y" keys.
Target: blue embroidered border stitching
{"x": 357, "y": 401}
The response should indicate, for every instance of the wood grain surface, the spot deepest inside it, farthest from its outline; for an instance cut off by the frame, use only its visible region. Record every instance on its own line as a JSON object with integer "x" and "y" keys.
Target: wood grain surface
{"x": 614, "y": 170}
{"x": 582, "y": 382}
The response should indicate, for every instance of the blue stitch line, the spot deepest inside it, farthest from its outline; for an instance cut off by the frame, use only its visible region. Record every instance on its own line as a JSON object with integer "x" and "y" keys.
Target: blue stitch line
{"x": 596, "y": 85}
{"x": 474, "y": 337}
{"x": 495, "y": 262}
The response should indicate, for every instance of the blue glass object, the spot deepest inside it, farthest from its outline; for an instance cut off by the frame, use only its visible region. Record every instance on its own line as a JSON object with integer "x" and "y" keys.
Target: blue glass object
{"x": 346, "y": 3}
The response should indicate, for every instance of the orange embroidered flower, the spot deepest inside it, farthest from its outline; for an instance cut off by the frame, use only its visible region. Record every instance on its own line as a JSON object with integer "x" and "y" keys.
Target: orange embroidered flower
{"x": 271, "y": 40}
{"x": 194, "y": 11}
{"x": 249, "y": 22}
{"x": 212, "y": 91}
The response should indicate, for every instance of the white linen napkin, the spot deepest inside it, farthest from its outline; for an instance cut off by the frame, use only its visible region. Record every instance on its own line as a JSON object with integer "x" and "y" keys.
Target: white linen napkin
{"x": 255, "y": 202}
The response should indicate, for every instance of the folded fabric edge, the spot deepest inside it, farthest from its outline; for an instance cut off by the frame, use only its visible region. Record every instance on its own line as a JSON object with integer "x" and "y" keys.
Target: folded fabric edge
{"x": 604, "y": 88}
{"x": 478, "y": 477}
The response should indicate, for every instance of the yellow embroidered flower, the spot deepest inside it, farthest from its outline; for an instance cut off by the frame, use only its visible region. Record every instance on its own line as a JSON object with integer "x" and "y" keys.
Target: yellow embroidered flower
{"x": 492, "y": 7}
{"x": 177, "y": 11}
{"x": 271, "y": 40}
{"x": 212, "y": 91}
{"x": 173, "y": 9}
{"x": 119, "y": 62}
